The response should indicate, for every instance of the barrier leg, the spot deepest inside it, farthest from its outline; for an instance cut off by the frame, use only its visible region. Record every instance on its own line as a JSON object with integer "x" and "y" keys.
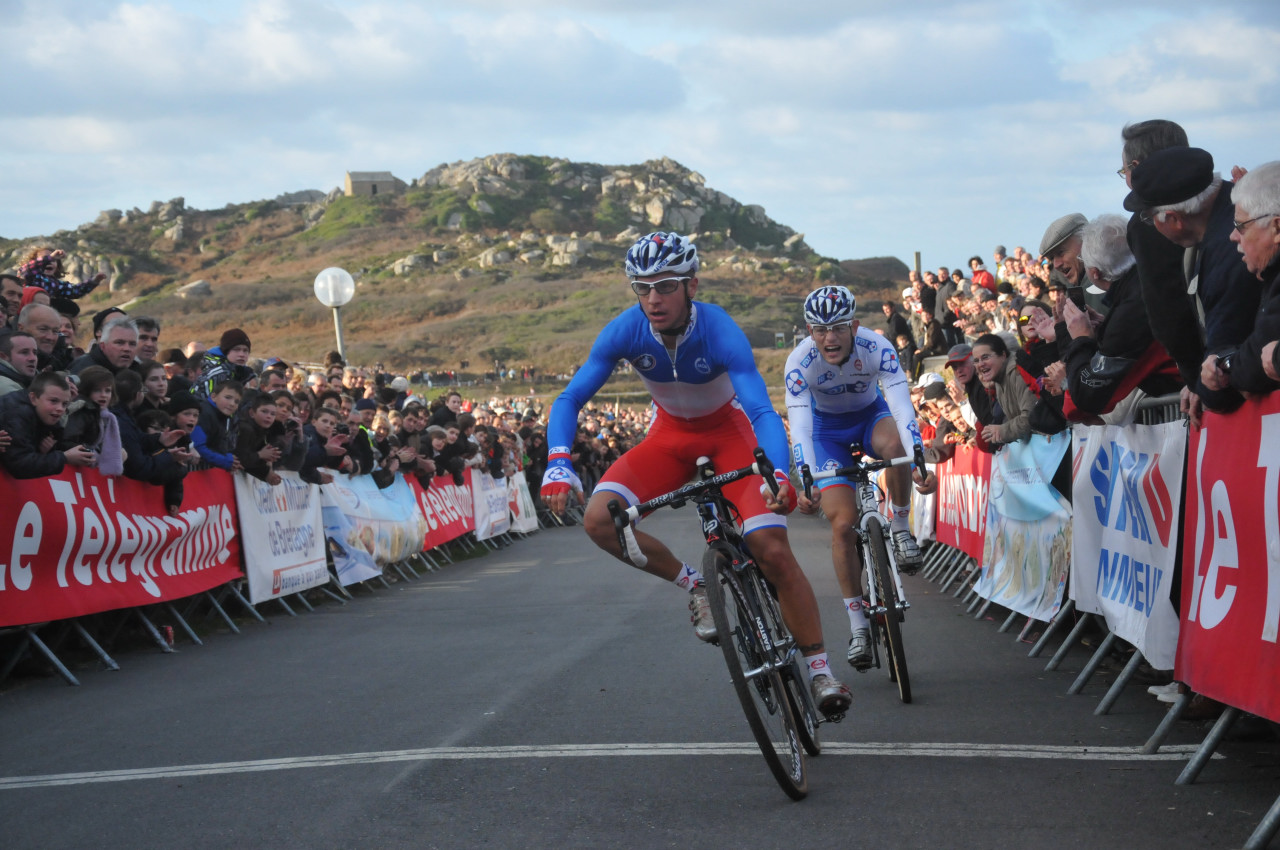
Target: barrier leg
{"x": 407, "y": 563}
{"x": 50, "y": 657}
{"x": 245, "y": 602}
{"x": 333, "y": 579}
{"x": 937, "y": 552}
{"x": 182, "y": 624}
{"x": 1119, "y": 684}
{"x": 953, "y": 568}
{"x": 93, "y": 644}
{"x": 1266, "y": 830}
{"x": 973, "y": 599}
{"x": 1022, "y": 635}
{"x": 153, "y": 631}
{"x": 231, "y": 624}
{"x": 287, "y": 609}
{"x": 1211, "y": 741}
{"x": 400, "y": 571}
{"x": 983, "y": 610}
{"x": 1156, "y": 741}
{"x": 384, "y": 581}
{"x": 302, "y": 600}
{"x": 18, "y": 652}
{"x": 335, "y": 597}
{"x": 1063, "y": 613}
{"x": 1092, "y": 666}
{"x": 1008, "y": 623}
{"x": 1072, "y": 637}
{"x": 967, "y": 581}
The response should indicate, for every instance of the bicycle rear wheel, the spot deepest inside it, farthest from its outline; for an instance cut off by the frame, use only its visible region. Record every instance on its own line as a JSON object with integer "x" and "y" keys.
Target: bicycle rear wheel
{"x": 890, "y": 629}
{"x": 747, "y": 650}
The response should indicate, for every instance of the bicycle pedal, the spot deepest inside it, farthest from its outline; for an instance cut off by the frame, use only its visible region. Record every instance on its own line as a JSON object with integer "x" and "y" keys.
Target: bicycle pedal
{"x": 834, "y": 718}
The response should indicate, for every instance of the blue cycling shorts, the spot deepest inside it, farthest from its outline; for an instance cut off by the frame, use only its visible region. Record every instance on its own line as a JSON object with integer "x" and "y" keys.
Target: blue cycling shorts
{"x": 833, "y": 433}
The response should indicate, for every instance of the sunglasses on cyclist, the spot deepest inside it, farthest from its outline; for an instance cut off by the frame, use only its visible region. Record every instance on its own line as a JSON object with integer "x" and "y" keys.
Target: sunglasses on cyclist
{"x": 665, "y": 286}
{"x": 823, "y": 330}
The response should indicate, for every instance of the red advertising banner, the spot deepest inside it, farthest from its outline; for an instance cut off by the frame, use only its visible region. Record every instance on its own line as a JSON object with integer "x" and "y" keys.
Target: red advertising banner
{"x": 962, "y": 500}
{"x": 1230, "y": 613}
{"x": 446, "y": 507}
{"x": 80, "y": 543}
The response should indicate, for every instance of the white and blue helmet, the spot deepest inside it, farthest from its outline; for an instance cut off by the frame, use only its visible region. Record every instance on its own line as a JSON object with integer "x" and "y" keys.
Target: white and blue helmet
{"x": 829, "y": 305}
{"x": 662, "y": 252}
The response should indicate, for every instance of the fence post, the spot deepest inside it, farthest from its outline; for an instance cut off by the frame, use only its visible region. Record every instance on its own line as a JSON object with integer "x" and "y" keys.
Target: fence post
{"x": 1092, "y": 666}
{"x": 1211, "y": 741}
{"x": 1057, "y": 621}
{"x": 1119, "y": 684}
{"x": 1066, "y": 644}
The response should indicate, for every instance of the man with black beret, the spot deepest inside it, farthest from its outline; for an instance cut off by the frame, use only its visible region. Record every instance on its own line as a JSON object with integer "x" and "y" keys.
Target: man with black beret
{"x": 1188, "y": 203}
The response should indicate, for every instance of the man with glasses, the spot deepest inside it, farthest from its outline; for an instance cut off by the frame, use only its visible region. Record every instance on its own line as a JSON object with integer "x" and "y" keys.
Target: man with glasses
{"x": 1189, "y": 204}
{"x": 1252, "y": 367}
{"x": 838, "y": 381}
{"x": 710, "y": 399}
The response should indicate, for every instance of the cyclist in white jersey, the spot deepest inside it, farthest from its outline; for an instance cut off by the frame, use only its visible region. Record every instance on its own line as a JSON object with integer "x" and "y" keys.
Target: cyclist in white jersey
{"x": 845, "y": 386}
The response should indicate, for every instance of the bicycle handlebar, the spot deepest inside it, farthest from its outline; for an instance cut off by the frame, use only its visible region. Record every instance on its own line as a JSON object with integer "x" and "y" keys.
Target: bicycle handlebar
{"x": 624, "y": 519}
{"x": 807, "y": 476}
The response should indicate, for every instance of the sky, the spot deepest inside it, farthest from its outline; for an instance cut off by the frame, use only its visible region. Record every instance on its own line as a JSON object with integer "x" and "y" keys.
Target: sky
{"x": 874, "y": 128}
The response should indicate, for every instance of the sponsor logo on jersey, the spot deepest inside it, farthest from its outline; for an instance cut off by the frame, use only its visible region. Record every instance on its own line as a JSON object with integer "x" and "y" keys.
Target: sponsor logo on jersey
{"x": 644, "y": 362}
{"x": 702, "y": 365}
{"x": 836, "y": 390}
{"x": 888, "y": 361}
{"x": 797, "y": 454}
{"x": 857, "y": 365}
{"x": 830, "y": 465}
{"x": 809, "y": 358}
{"x": 558, "y": 450}
{"x": 557, "y": 473}
{"x": 825, "y": 376}
{"x": 859, "y": 386}
{"x": 867, "y": 343}
{"x": 796, "y": 383}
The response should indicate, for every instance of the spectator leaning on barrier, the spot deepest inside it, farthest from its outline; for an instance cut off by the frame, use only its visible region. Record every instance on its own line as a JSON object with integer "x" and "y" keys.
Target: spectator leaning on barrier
{"x": 326, "y": 447}
{"x": 1253, "y": 367}
{"x": 31, "y": 420}
{"x": 160, "y": 458}
{"x": 1108, "y": 358}
{"x": 255, "y": 447}
{"x": 18, "y": 359}
{"x": 1178, "y": 191}
{"x": 89, "y": 421}
{"x": 1060, "y": 245}
{"x": 997, "y": 369}
{"x": 215, "y": 433}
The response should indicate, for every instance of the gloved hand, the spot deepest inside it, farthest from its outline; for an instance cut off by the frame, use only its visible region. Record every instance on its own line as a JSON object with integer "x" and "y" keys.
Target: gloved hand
{"x": 558, "y": 481}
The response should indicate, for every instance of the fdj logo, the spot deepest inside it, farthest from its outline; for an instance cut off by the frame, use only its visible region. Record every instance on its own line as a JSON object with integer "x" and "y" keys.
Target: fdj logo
{"x": 888, "y": 361}
{"x": 644, "y": 362}
{"x": 702, "y": 365}
{"x": 824, "y": 377}
{"x": 796, "y": 383}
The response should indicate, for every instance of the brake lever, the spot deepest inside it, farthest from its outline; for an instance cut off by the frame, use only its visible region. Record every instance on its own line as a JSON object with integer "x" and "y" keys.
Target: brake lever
{"x": 626, "y": 535}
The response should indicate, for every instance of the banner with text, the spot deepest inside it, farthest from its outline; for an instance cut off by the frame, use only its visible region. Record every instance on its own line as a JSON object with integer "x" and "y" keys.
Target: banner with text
{"x": 367, "y": 527}
{"x": 284, "y": 523}
{"x": 489, "y": 498}
{"x": 524, "y": 516}
{"x": 1027, "y": 551}
{"x": 1127, "y": 497}
{"x": 80, "y": 542}
{"x": 962, "y": 500}
{"x": 1231, "y": 560}
{"x": 446, "y": 507}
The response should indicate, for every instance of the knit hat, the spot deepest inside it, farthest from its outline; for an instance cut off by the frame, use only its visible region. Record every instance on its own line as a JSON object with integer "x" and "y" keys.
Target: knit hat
{"x": 100, "y": 317}
{"x": 366, "y": 404}
{"x": 181, "y": 402}
{"x": 232, "y": 338}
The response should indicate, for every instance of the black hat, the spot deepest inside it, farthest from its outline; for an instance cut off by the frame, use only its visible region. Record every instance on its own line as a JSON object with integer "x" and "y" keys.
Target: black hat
{"x": 232, "y": 338}
{"x": 1170, "y": 176}
{"x": 100, "y": 318}
{"x": 65, "y": 307}
{"x": 173, "y": 355}
{"x": 181, "y": 402}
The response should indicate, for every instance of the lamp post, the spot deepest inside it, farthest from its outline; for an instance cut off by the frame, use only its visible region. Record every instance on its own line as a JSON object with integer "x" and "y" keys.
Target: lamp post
{"x": 335, "y": 287}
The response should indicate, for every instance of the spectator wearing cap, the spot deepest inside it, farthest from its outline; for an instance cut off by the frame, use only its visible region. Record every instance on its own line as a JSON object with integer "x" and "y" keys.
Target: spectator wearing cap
{"x": 1001, "y": 258}
{"x": 1106, "y": 359}
{"x": 1180, "y": 194}
{"x": 1253, "y": 366}
{"x": 18, "y": 360}
{"x": 1170, "y": 312}
{"x": 115, "y": 349}
{"x": 1060, "y": 245}
{"x": 100, "y": 319}
{"x": 227, "y": 361}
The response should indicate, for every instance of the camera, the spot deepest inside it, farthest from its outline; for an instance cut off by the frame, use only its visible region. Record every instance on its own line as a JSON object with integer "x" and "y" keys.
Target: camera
{"x": 344, "y": 429}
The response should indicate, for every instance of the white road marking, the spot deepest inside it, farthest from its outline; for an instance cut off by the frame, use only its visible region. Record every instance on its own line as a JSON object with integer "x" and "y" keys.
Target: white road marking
{"x": 1024, "y": 751}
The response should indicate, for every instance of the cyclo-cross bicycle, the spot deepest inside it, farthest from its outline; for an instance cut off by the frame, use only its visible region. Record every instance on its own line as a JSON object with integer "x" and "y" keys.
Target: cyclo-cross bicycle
{"x": 764, "y": 662}
{"x": 885, "y": 600}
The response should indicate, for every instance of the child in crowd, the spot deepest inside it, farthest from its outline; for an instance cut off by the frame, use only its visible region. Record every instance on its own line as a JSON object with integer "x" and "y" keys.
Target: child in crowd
{"x": 155, "y": 385}
{"x": 185, "y": 412}
{"x": 43, "y": 268}
{"x": 255, "y": 434}
{"x": 31, "y": 420}
{"x": 227, "y": 361}
{"x": 326, "y": 448}
{"x": 90, "y": 422}
{"x": 156, "y": 458}
{"x": 215, "y": 433}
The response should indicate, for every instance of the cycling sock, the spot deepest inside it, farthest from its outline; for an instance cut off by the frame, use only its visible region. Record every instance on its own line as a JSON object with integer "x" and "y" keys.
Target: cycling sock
{"x": 688, "y": 578}
{"x": 857, "y": 617}
{"x": 817, "y": 665}
{"x": 901, "y": 519}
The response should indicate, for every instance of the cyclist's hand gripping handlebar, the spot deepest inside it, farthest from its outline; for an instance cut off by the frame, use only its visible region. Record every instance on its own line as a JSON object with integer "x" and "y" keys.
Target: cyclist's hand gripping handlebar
{"x": 626, "y": 534}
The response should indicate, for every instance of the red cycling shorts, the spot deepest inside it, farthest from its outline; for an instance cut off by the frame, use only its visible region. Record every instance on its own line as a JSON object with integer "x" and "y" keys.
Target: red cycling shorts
{"x": 667, "y": 458}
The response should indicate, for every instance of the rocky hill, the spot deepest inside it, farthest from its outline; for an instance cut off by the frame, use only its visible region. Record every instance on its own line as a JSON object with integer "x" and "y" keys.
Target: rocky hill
{"x": 511, "y": 257}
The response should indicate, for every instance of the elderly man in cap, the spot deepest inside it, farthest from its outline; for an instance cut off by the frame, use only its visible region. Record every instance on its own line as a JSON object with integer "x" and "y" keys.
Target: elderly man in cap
{"x": 1171, "y": 314}
{"x": 1180, "y": 194}
{"x": 1253, "y": 367}
{"x": 1061, "y": 247}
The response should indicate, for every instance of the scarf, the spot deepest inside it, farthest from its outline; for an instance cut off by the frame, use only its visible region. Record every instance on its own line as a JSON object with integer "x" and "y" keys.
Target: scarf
{"x": 110, "y": 453}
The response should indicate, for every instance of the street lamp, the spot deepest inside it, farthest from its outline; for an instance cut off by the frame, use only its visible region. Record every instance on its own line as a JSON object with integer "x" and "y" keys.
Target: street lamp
{"x": 334, "y": 288}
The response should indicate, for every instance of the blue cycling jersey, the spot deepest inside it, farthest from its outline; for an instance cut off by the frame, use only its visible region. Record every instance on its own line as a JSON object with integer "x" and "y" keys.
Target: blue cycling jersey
{"x": 711, "y": 366}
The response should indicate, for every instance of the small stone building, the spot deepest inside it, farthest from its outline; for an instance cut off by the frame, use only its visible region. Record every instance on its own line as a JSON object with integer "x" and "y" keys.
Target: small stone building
{"x": 366, "y": 184}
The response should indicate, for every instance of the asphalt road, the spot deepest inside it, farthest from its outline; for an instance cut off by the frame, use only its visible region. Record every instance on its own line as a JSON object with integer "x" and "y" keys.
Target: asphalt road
{"x": 545, "y": 696}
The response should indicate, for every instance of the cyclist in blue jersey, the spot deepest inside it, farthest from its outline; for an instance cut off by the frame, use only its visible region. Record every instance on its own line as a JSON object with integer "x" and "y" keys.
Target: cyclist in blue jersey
{"x": 844, "y": 386}
{"x": 710, "y": 400}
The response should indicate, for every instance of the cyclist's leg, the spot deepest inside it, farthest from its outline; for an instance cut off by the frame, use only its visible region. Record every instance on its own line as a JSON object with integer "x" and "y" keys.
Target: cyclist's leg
{"x": 841, "y": 507}
{"x": 887, "y": 445}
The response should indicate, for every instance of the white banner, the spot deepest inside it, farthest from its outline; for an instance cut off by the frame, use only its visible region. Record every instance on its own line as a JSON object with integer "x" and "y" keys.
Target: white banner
{"x": 1026, "y": 553}
{"x": 489, "y": 498}
{"x": 524, "y": 515}
{"x": 282, "y": 534}
{"x": 368, "y": 527}
{"x": 1127, "y": 495}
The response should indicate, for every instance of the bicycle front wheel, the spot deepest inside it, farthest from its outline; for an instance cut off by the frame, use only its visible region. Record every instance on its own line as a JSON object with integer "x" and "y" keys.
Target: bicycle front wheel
{"x": 891, "y": 629}
{"x": 748, "y": 652}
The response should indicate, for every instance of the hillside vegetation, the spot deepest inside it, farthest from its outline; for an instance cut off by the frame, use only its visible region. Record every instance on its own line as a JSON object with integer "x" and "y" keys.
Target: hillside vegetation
{"x": 515, "y": 258}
